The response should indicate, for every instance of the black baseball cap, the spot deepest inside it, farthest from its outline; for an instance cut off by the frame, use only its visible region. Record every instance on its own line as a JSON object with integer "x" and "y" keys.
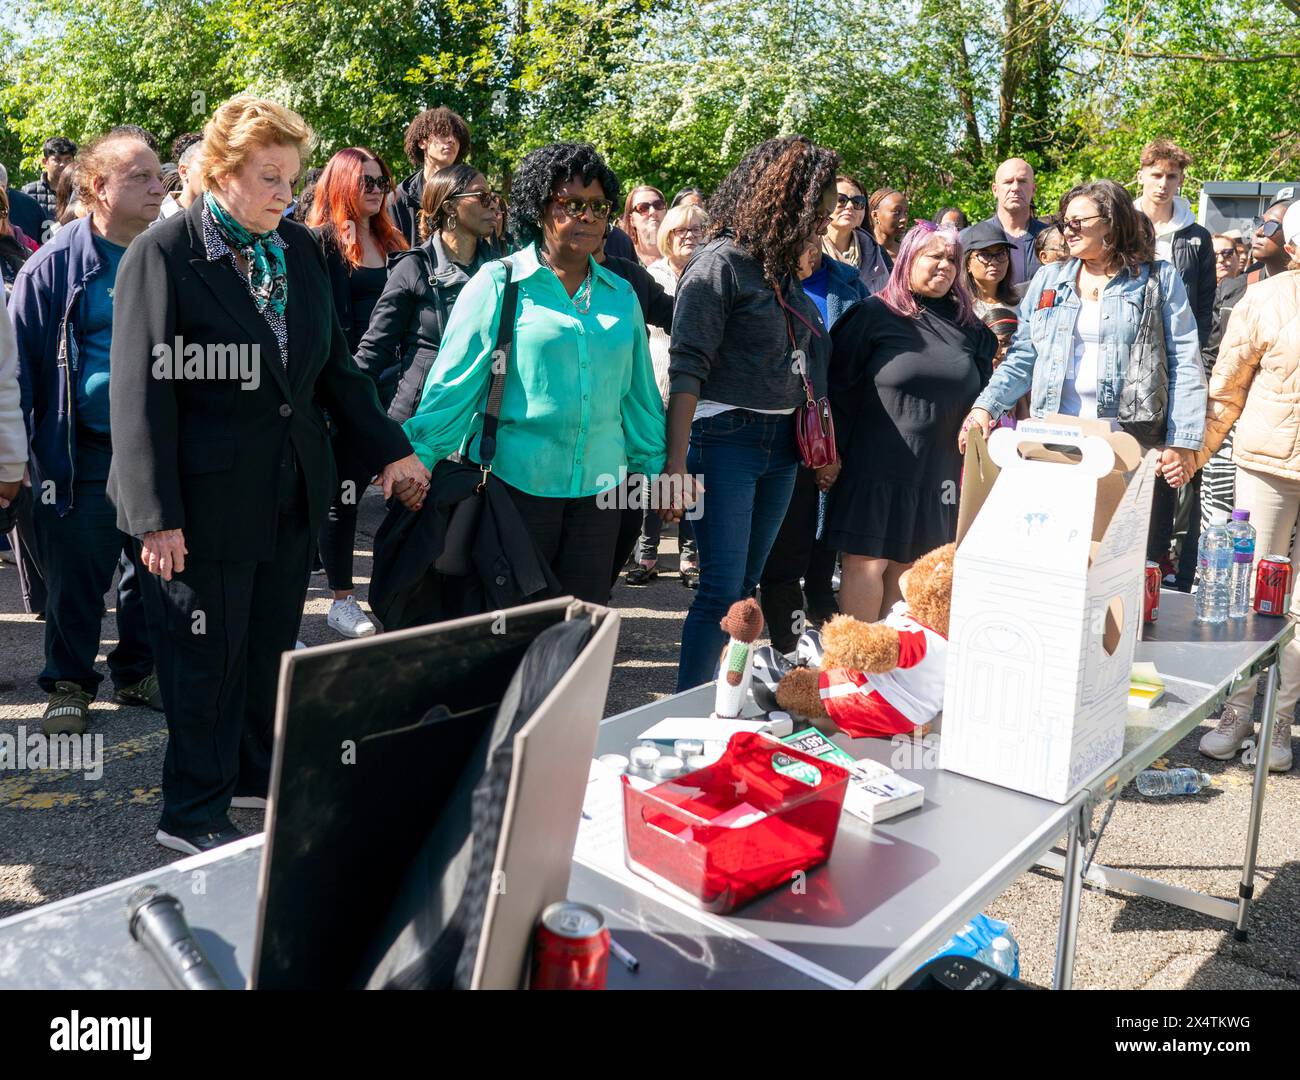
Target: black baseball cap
{"x": 983, "y": 234}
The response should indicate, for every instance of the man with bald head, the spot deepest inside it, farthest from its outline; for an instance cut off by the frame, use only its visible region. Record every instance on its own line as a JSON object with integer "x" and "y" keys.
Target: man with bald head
{"x": 1013, "y": 186}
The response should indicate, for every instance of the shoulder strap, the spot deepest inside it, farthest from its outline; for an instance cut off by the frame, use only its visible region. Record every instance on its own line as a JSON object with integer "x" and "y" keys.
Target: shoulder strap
{"x": 487, "y": 446}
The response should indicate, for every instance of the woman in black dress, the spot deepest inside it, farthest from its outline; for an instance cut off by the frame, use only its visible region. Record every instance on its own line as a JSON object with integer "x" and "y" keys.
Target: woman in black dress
{"x": 907, "y": 364}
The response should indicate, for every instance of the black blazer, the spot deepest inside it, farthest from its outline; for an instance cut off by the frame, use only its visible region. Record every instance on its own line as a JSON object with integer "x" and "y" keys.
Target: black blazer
{"x": 201, "y": 452}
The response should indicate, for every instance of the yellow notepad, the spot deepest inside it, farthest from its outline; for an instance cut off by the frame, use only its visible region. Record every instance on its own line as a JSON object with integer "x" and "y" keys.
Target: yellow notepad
{"x": 1145, "y": 686}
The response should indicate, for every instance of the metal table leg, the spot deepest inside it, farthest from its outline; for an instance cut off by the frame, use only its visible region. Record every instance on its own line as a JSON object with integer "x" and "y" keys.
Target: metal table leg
{"x": 1071, "y": 891}
{"x": 1247, "y": 888}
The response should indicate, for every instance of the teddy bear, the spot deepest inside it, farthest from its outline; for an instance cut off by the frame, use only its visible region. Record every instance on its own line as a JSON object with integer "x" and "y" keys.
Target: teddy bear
{"x": 884, "y": 678}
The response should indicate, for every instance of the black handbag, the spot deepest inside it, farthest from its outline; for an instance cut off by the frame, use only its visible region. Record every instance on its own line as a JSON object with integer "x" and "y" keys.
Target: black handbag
{"x": 457, "y": 559}
{"x": 1143, "y": 410}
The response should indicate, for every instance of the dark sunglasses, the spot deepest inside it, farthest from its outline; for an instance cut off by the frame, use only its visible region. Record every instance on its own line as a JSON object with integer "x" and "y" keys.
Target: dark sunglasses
{"x": 376, "y": 183}
{"x": 486, "y": 199}
{"x": 858, "y": 202}
{"x": 646, "y": 207}
{"x": 575, "y": 208}
{"x": 1226, "y": 253}
{"x": 1267, "y": 229}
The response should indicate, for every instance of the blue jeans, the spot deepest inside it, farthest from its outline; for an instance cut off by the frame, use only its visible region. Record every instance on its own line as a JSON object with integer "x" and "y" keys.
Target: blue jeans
{"x": 748, "y": 462}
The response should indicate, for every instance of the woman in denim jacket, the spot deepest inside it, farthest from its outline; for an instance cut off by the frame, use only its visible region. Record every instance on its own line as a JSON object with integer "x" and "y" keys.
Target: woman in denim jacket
{"x": 1078, "y": 322}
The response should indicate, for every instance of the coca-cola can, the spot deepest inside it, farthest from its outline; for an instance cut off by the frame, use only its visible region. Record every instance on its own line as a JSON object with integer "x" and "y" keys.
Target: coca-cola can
{"x": 570, "y": 949}
{"x": 1151, "y": 593}
{"x": 1273, "y": 585}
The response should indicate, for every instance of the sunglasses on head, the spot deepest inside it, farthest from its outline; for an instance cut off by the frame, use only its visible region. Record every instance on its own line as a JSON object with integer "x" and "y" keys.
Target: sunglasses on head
{"x": 486, "y": 199}
{"x": 575, "y": 208}
{"x": 376, "y": 183}
{"x": 858, "y": 202}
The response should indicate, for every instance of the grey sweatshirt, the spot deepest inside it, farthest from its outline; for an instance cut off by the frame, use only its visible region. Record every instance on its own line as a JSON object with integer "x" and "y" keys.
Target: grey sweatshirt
{"x": 729, "y": 339}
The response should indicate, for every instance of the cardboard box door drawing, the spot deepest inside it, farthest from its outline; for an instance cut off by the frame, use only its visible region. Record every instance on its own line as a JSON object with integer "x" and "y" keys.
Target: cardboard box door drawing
{"x": 1046, "y": 604}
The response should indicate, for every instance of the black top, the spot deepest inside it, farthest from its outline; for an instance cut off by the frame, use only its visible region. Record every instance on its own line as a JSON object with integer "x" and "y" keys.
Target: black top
{"x": 900, "y": 388}
{"x": 200, "y": 452}
{"x": 366, "y": 284}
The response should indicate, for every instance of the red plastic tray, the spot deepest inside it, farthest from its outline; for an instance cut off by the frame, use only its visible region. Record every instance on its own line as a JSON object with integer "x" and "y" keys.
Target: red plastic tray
{"x": 673, "y": 838}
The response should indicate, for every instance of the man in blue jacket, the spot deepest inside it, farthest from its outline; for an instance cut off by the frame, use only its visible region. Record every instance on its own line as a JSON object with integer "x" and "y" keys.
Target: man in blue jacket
{"x": 62, "y": 310}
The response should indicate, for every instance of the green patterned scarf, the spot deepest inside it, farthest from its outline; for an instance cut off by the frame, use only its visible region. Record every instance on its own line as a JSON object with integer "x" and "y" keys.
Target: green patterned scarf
{"x": 266, "y": 266}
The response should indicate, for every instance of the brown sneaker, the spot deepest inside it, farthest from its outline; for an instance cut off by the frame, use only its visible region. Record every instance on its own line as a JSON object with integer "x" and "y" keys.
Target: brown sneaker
{"x": 68, "y": 710}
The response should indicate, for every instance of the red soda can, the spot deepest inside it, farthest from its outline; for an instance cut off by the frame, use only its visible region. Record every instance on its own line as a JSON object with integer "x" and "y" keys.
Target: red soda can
{"x": 1273, "y": 585}
{"x": 1151, "y": 593}
{"x": 570, "y": 949}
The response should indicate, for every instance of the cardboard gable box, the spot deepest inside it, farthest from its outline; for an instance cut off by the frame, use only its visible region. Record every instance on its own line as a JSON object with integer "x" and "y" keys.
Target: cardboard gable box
{"x": 1046, "y": 605}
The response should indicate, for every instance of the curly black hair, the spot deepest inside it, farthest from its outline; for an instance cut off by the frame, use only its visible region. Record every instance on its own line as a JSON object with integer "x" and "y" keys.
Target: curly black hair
{"x": 770, "y": 203}
{"x": 541, "y": 172}
{"x": 439, "y": 121}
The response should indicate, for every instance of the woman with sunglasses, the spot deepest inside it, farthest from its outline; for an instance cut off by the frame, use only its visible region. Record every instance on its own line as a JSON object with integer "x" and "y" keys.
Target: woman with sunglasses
{"x": 1080, "y": 320}
{"x": 357, "y": 233}
{"x": 581, "y": 410}
{"x": 988, "y": 268}
{"x": 746, "y": 342}
{"x": 679, "y": 236}
{"x": 643, "y": 213}
{"x": 457, "y": 222}
{"x": 847, "y": 242}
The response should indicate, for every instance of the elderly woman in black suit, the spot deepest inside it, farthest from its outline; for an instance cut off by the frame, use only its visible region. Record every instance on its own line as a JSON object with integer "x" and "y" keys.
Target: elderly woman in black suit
{"x": 222, "y": 464}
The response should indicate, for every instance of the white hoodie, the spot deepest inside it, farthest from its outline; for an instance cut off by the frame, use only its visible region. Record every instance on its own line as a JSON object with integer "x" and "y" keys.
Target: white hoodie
{"x": 1182, "y": 217}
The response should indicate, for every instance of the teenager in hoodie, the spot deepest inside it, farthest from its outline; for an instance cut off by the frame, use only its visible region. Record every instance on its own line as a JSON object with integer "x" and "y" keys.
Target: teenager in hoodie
{"x": 1179, "y": 240}
{"x": 434, "y": 139}
{"x": 1190, "y": 248}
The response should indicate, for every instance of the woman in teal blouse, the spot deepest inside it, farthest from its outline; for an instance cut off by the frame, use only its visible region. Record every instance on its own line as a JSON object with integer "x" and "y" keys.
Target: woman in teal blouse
{"x": 581, "y": 409}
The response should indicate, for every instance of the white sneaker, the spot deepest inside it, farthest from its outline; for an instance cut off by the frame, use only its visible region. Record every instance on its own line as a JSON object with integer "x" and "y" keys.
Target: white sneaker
{"x": 1279, "y": 747}
{"x": 347, "y": 618}
{"x": 1224, "y": 742}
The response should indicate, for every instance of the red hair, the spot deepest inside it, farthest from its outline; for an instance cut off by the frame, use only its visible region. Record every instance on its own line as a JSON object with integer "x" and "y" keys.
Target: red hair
{"x": 337, "y": 204}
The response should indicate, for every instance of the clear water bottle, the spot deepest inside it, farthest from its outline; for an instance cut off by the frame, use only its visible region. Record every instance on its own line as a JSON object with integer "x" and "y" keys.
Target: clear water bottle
{"x": 1156, "y": 782}
{"x": 1000, "y": 955}
{"x": 1243, "y": 562}
{"x": 1215, "y": 571}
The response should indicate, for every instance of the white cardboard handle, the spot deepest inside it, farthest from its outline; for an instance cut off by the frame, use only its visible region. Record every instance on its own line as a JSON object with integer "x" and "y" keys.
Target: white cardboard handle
{"x": 1098, "y": 458}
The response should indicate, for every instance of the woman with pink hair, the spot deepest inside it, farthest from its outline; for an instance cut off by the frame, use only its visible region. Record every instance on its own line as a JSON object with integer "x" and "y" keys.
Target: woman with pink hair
{"x": 907, "y": 364}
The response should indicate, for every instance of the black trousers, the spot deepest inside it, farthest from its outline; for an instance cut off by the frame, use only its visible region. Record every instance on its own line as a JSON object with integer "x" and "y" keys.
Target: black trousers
{"x": 796, "y": 554}
{"x": 79, "y": 553}
{"x": 577, "y": 537}
{"x": 219, "y": 629}
{"x": 1160, "y": 534}
{"x": 338, "y": 532}
{"x": 22, "y": 541}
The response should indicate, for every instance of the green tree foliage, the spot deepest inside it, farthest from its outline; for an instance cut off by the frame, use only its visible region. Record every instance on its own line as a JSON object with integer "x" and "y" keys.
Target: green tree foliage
{"x": 926, "y": 95}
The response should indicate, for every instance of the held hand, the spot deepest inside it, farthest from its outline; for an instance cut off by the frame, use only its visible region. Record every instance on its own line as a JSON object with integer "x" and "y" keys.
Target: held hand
{"x": 163, "y": 553}
{"x": 980, "y": 418}
{"x": 678, "y": 492}
{"x": 408, "y": 479}
{"x": 827, "y": 475}
{"x": 1177, "y": 465}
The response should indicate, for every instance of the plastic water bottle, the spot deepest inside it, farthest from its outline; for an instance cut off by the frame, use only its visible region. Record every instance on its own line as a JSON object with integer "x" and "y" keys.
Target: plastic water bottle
{"x": 1243, "y": 562}
{"x": 1157, "y": 782}
{"x": 1215, "y": 571}
{"x": 1000, "y": 955}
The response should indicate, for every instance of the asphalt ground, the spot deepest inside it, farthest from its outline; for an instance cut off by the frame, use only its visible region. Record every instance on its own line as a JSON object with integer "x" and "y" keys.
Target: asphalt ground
{"x": 61, "y": 834}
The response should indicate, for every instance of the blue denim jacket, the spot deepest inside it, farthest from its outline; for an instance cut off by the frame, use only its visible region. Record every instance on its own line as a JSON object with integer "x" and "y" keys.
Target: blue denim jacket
{"x": 1043, "y": 347}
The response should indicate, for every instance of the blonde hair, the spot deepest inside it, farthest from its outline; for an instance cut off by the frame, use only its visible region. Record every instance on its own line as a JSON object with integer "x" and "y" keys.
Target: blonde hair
{"x": 244, "y": 124}
{"x": 676, "y": 218}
